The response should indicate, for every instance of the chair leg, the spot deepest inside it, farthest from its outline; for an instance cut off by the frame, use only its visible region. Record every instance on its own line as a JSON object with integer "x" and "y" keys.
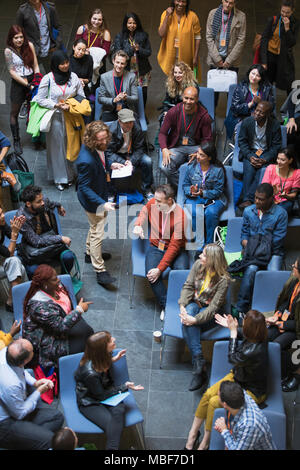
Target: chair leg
{"x": 141, "y": 435}
{"x": 162, "y": 350}
{"x": 131, "y": 292}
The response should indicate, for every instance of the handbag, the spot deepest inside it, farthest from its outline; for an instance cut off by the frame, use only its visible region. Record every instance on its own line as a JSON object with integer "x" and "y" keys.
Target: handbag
{"x": 40, "y": 255}
{"x": 220, "y": 79}
{"x": 25, "y": 178}
{"x": 74, "y": 273}
{"x": 16, "y": 162}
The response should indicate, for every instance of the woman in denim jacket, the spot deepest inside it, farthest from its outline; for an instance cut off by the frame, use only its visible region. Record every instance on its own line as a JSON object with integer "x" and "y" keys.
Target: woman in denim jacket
{"x": 204, "y": 183}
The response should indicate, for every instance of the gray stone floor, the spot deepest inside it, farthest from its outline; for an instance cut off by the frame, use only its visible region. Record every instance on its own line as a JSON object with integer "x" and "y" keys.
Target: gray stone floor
{"x": 166, "y": 403}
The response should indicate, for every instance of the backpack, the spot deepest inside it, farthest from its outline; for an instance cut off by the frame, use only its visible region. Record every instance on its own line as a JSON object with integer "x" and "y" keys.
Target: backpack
{"x": 21, "y": 171}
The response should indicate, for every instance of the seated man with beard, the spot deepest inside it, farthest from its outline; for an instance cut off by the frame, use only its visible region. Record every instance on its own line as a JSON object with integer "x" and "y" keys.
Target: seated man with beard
{"x": 39, "y": 229}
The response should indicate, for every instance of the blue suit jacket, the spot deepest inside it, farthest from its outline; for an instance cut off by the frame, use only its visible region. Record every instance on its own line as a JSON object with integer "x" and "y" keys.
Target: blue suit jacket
{"x": 92, "y": 188}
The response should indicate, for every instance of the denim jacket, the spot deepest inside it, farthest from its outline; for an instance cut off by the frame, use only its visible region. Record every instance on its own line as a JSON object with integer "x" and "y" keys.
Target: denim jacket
{"x": 273, "y": 222}
{"x": 213, "y": 185}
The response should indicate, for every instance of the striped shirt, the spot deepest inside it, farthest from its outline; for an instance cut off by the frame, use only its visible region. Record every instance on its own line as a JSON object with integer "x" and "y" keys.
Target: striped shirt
{"x": 249, "y": 429}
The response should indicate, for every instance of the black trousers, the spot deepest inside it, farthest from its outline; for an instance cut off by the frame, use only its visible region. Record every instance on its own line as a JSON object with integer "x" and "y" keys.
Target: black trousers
{"x": 285, "y": 341}
{"x": 108, "y": 418}
{"x": 78, "y": 335}
{"x": 34, "y": 432}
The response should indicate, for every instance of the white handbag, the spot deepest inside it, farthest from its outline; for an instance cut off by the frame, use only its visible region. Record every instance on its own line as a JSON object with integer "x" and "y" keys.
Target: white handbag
{"x": 221, "y": 79}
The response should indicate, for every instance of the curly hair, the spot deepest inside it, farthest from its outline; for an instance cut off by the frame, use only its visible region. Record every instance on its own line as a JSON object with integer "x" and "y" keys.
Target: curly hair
{"x": 89, "y": 137}
{"x": 173, "y": 87}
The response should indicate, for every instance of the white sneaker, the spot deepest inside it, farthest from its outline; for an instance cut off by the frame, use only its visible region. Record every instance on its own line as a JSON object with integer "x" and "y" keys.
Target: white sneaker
{"x": 162, "y": 315}
{"x": 24, "y": 110}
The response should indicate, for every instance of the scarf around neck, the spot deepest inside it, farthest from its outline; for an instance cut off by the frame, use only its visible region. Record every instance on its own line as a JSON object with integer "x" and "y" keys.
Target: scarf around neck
{"x": 217, "y": 23}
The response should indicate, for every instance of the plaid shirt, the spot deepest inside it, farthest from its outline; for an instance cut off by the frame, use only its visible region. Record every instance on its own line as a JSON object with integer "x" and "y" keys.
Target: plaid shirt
{"x": 249, "y": 429}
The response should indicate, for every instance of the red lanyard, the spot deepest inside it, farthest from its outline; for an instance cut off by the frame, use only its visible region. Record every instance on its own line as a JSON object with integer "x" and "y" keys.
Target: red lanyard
{"x": 63, "y": 90}
{"x": 102, "y": 158}
{"x": 40, "y": 14}
{"x": 118, "y": 92}
{"x": 224, "y": 28}
{"x": 184, "y": 121}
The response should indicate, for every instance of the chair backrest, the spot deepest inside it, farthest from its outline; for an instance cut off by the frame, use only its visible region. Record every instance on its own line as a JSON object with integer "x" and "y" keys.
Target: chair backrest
{"x": 229, "y": 212}
{"x": 233, "y": 237}
{"x": 141, "y": 110}
{"x": 19, "y": 293}
{"x": 172, "y": 325}
{"x": 98, "y": 106}
{"x": 9, "y": 215}
{"x": 283, "y": 136}
{"x": 207, "y": 98}
{"x": 264, "y": 299}
{"x": 232, "y": 87}
{"x": 237, "y": 166}
{"x": 221, "y": 366}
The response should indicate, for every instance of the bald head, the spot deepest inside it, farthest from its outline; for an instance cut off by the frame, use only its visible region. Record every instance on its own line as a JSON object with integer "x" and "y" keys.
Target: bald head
{"x": 190, "y": 99}
{"x": 19, "y": 352}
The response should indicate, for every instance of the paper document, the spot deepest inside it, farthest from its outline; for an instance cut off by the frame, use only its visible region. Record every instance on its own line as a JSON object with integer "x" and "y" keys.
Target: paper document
{"x": 126, "y": 170}
{"x": 115, "y": 399}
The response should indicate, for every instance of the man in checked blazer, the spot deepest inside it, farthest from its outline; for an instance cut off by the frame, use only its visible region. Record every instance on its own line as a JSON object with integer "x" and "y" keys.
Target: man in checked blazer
{"x": 117, "y": 89}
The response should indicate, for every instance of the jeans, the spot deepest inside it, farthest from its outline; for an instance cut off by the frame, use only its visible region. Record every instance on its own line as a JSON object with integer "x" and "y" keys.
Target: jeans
{"x": 192, "y": 334}
{"x": 251, "y": 178}
{"x": 152, "y": 260}
{"x": 179, "y": 158}
{"x": 247, "y": 283}
{"x": 211, "y": 217}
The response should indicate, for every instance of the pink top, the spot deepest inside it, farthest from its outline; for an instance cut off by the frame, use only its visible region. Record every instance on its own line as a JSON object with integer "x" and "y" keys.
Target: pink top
{"x": 283, "y": 184}
{"x": 94, "y": 40}
{"x": 63, "y": 300}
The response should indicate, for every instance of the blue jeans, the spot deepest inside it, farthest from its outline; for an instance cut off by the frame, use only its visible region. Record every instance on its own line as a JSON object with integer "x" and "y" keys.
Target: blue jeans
{"x": 192, "y": 334}
{"x": 211, "y": 216}
{"x": 246, "y": 289}
{"x": 152, "y": 260}
{"x": 251, "y": 178}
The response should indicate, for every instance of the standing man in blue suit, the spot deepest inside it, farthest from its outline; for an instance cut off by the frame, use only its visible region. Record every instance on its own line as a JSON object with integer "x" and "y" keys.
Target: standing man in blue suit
{"x": 92, "y": 192}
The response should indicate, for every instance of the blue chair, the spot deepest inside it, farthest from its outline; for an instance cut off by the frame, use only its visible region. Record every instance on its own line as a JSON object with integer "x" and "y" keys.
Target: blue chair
{"x": 19, "y": 293}
{"x": 229, "y": 212}
{"x": 238, "y": 168}
{"x": 275, "y": 408}
{"x": 264, "y": 300}
{"x": 8, "y": 217}
{"x": 138, "y": 254}
{"x": 74, "y": 419}
{"x": 207, "y": 98}
{"x": 233, "y": 238}
{"x": 141, "y": 111}
{"x": 172, "y": 324}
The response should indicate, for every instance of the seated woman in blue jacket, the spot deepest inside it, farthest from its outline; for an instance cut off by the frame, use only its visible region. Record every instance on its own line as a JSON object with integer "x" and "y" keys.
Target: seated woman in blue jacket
{"x": 204, "y": 183}
{"x": 248, "y": 93}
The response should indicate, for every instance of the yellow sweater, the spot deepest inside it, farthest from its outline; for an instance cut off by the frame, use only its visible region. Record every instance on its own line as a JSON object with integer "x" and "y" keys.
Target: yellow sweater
{"x": 75, "y": 125}
{"x": 5, "y": 339}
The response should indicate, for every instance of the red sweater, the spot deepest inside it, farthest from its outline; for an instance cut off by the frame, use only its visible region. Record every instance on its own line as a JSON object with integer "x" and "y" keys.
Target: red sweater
{"x": 166, "y": 227}
{"x": 171, "y": 127}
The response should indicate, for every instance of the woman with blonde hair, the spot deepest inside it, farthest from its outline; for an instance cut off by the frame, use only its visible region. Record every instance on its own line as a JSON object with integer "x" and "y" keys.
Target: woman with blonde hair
{"x": 202, "y": 296}
{"x": 249, "y": 360}
{"x": 180, "y": 77}
{"x": 94, "y": 383}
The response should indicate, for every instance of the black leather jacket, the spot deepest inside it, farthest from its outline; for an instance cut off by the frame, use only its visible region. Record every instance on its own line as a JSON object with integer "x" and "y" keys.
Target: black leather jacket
{"x": 250, "y": 365}
{"x": 93, "y": 387}
{"x": 239, "y": 106}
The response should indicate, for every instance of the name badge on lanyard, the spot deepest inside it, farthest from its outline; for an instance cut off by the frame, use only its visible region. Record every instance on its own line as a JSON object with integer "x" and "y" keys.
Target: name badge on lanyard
{"x": 185, "y": 138}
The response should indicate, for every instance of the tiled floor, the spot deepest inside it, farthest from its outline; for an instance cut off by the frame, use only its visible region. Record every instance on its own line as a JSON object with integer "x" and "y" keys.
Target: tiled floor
{"x": 166, "y": 403}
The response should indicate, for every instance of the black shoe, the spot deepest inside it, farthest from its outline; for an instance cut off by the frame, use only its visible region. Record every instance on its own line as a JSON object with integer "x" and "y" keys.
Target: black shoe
{"x": 105, "y": 257}
{"x": 197, "y": 381}
{"x": 292, "y": 384}
{"x": 105, "y": 278}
